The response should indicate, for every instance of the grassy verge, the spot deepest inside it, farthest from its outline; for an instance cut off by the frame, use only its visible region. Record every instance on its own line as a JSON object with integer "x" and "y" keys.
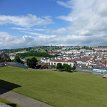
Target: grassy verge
{"x": 4, "y": 101}
{"x": 8, "y": 102}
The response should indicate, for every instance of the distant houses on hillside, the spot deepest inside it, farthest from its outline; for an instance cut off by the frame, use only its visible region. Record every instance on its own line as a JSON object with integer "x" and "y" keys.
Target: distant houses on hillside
{"x": 84, "y": 59}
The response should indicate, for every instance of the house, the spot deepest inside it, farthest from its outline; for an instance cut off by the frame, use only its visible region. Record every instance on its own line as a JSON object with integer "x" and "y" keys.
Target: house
{"x": 54, "y": 53}
{"x": 55, "y": 62}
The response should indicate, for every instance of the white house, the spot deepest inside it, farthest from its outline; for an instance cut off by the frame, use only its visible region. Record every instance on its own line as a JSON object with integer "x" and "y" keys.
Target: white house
{"x": 55, "y": 62}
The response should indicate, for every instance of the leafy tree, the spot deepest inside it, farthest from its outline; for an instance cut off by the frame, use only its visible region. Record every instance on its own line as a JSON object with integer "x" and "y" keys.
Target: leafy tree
{"x": 59, "y": 66}
{"x": 32, "y": 63}
{"x": 18, "y": 59}
{"x": 36, "y": 53}
{"x": 29, "y": 63}
{"x": 67, "y": 67}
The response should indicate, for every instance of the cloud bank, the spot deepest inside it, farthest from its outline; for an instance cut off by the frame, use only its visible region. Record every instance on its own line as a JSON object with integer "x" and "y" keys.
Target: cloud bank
{"x": 32, "y": 39}
{"x": 88, "y": 20}
{"x": 87, "y": 26}
{"x": 25, "y": 21}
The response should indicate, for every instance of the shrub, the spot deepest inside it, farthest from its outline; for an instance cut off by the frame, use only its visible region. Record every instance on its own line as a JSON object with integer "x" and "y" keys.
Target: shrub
{"x": 67, "y": 67}
{"x": 59, "y": 66}
{"x": 32, "y": 63}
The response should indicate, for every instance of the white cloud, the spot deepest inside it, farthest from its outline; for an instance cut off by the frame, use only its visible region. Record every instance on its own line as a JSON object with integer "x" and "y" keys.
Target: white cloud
{"x": 10, "y": 41}
{"x": 27, "y": 29}
{"x": 87, "y": 26}
{"x": 88, "y": 20}
{"x": 25, "y": 21}
{"x": 66, "y": 4}
{"x": 32, "y": 39}
{"x": 37, "y": 39}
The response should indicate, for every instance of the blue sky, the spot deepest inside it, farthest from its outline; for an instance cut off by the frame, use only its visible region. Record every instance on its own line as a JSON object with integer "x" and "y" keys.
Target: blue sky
{"x": 38, "y": 7}
{"x": 25, "y": 23}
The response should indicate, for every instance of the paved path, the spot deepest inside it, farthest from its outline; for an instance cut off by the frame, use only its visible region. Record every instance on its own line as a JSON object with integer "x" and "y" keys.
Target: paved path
{"x": 22, "y": 100}
{"x": 4, "y": 105}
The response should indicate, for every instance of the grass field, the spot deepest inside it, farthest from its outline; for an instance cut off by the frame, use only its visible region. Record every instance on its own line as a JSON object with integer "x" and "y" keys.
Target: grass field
{"x": 60, "y": 89}
{"x": 4, "y": 101}
{"x": 38, "y": 58}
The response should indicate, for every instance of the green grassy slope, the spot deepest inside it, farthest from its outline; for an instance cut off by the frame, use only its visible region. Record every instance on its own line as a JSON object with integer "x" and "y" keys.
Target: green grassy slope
{"x": 60, "y": 89}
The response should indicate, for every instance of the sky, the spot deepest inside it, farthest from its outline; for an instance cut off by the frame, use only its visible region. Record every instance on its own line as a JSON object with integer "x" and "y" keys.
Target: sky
{"x": 26, "y": 23}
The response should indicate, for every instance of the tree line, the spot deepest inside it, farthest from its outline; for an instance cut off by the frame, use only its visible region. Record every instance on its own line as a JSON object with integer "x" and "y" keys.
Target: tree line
{"x": 35, "y": 53}
{"x": 65, "y": 67}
